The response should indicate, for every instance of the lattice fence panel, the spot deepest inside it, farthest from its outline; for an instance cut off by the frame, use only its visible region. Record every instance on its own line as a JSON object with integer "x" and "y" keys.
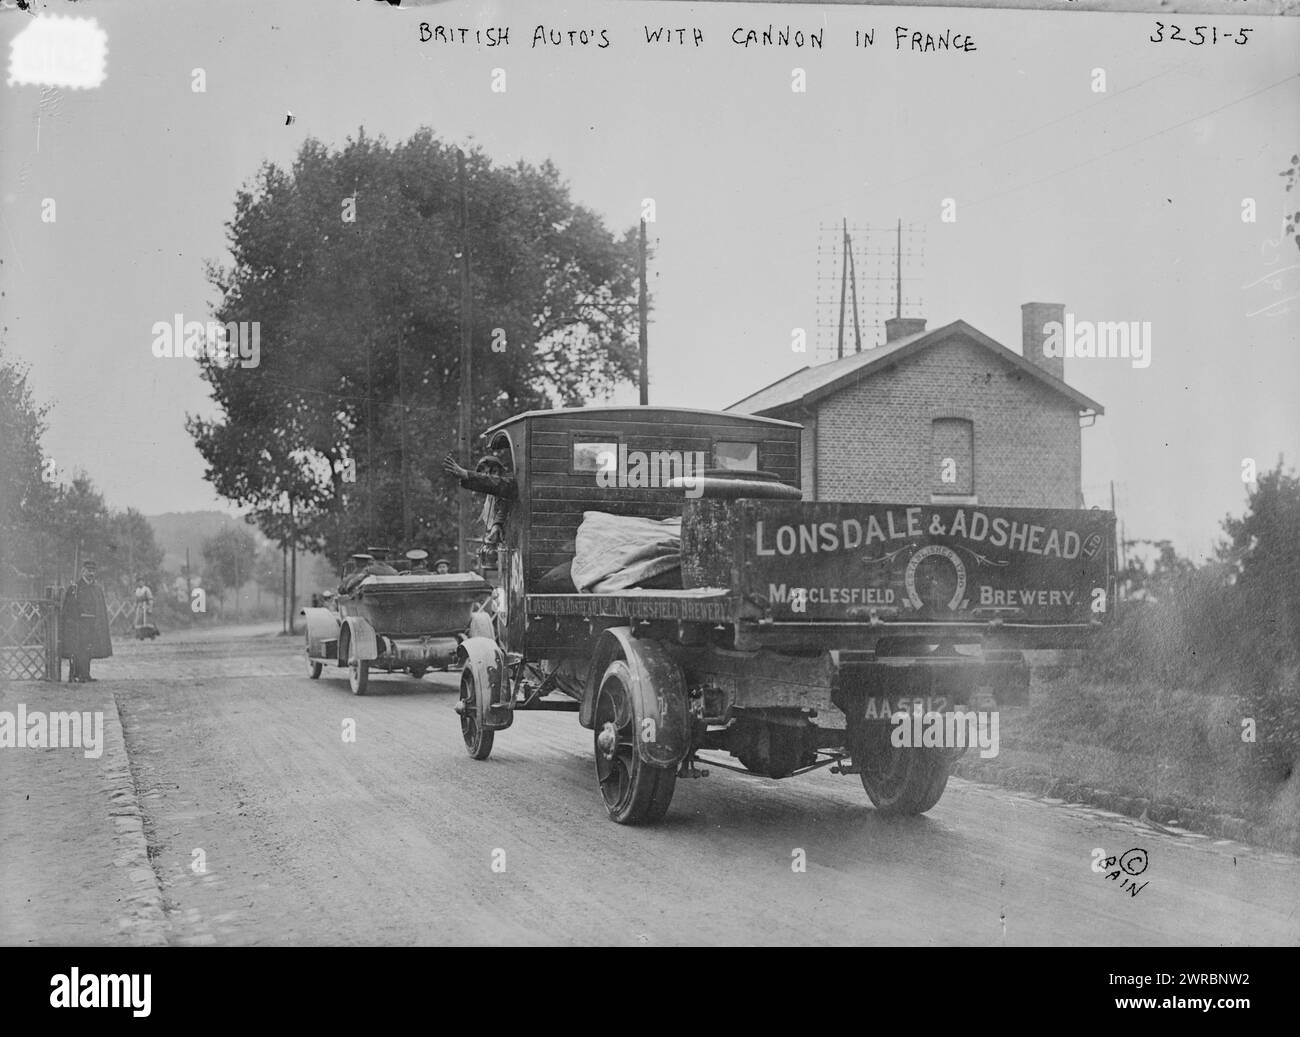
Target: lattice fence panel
{"x": 121, "y": 616}
{"x": 28, "y": 647}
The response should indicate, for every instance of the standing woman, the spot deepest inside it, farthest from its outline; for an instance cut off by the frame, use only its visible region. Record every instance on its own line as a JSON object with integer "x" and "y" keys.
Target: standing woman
{"x": 143, "y": 606}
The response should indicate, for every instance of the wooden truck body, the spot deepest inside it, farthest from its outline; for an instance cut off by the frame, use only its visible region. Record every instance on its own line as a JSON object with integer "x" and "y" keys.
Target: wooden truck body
{"x": 802, "y": 631}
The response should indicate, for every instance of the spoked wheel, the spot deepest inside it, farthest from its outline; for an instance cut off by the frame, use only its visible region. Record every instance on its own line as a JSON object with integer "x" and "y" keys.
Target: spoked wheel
{"x": 359, "y": 675}
{"x": 633, "y": 791}
{"x": 313, "y": 667}
{"x": 900, "y": 780}
{"x": 478, "y": 739}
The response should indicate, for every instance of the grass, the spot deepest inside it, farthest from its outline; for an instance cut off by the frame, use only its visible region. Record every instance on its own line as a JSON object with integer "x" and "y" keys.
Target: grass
{"x": 1149, "y": 742}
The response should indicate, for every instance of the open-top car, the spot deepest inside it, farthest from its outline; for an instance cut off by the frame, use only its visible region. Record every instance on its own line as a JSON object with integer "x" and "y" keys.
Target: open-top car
{"x": 405, "y": 623}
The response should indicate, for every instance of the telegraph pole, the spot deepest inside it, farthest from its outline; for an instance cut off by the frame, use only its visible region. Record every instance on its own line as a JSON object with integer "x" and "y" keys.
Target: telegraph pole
{"x": 401, "y": 409}
{"x": 466, "y": 379}
{"x": 898, "y": 298}
{"x": 370, "y": 456}
{"x": 853, "y": 274}
{"x": 844, "y": 283}
{"x": 642, "y": 333}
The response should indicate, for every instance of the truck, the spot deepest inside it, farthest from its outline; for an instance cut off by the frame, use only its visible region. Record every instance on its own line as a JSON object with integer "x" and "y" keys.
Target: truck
{"x": 804, "y": 633}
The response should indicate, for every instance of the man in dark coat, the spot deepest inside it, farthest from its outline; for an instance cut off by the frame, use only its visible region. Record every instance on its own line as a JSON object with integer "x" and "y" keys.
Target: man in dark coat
{"x": 84, "y": 624}
{"x": 364, "y": 565}
{"x": 491, "y": 478}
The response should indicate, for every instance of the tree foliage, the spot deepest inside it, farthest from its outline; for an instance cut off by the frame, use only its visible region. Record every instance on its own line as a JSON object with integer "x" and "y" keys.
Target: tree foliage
{"x": 229, "y": 558}
{"x": 46, "y": 525}
{"x": 357, "y": 389}
{"x": 1229, "y": 627}
{"x": 26, "y": 499}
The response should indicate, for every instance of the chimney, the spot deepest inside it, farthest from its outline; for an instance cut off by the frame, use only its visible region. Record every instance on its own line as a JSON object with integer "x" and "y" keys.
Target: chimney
{"x": 1033, "y": 317}
{"x": 901, "y": 327}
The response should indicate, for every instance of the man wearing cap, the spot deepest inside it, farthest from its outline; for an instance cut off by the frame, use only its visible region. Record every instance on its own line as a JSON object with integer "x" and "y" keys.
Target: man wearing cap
{"x": 83, "y": 631}
{"x": 441, "y": 567}
{"x": 490, "y": 478}
{"x": 419, "y": 562}
{"x": 364, "y": 565}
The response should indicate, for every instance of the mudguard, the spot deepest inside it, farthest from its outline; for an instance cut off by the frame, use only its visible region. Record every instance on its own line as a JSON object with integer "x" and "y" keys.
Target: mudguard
{"x": 658, "y": 695}
{"x": 485, "y": 660}
{"x": 322, "y": 626}
{"x": 357, "y": 641}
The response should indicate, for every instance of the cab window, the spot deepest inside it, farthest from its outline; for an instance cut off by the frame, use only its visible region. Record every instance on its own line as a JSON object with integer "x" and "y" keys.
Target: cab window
{"x": 591, "y": 455}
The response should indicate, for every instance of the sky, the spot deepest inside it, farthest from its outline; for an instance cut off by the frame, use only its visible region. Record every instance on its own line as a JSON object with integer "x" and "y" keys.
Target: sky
{"x": 1125, "y": 204}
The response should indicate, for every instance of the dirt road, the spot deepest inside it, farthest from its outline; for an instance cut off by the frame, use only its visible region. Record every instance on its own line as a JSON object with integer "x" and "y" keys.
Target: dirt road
{"x": 268, "y": 826}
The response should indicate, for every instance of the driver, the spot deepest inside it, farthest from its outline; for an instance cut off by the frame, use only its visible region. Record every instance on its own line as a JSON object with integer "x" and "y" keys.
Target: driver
{"x": 491, "y": 477}
{"x": 366, "y": 565}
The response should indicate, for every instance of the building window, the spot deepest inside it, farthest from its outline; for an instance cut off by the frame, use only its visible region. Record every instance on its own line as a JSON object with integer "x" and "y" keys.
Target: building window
{"x": 737, "y": 457}
{"x": 952, "y": 458}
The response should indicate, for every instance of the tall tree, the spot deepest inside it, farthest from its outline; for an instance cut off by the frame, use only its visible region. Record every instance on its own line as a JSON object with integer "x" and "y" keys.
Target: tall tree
{"x": 229, "y": 560}
{"x": 27, "y": 495}
{"x": 136, "y": 551}
{"x": 350, "y": 263}
{"x": 1263, "y": 552}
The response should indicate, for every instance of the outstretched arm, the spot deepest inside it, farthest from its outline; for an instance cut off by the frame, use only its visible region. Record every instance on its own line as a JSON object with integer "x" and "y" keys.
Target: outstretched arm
{"x": 452, "y": 467}
{"x": 497, "y": 485}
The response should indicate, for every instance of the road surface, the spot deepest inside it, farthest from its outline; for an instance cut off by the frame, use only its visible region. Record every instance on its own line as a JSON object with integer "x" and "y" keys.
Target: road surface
{"x": 268, "y": 826}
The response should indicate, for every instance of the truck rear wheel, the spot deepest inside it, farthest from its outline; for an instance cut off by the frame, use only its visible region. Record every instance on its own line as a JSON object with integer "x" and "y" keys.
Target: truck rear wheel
{"x": 900, "y": 781}
{"x": 634, "y": 792}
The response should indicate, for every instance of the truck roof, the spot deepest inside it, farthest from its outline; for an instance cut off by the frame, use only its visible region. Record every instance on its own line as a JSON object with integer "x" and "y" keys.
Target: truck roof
{"x": 638, "y": 412}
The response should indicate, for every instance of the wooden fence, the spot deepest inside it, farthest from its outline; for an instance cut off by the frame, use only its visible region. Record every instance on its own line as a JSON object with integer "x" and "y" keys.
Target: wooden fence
{"x": 29, "y": 636}
{"x": 121, "y": 616}
{"x": 29, "y": 639}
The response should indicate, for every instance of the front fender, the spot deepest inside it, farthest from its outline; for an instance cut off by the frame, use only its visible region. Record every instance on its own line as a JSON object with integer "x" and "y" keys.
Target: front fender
{"x": 361, "y": 641}
{"x": 658, "y": 695}
{"x": 322, "y": 627}
{"x": 486, "y": 663}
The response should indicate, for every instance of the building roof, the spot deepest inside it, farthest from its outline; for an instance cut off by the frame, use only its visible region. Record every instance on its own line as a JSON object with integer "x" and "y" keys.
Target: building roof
{"x": 810, "y": 384}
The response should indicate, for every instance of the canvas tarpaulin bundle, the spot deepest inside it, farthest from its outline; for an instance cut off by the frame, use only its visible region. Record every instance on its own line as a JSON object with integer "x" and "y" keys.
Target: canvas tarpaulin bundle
{"x": 615, "y": 552}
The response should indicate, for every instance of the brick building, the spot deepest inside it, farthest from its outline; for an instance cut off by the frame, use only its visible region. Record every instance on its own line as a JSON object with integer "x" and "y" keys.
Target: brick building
{"x": 948, "y": 416}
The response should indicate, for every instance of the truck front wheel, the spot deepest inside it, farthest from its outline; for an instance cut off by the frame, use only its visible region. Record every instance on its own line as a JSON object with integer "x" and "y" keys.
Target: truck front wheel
{"x": 900, "y": 780}
{"x": 478, "y": 739}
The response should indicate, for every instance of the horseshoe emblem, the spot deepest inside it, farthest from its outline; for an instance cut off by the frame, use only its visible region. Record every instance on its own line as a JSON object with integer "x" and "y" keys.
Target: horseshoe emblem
{"x": 909, "y": 575}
